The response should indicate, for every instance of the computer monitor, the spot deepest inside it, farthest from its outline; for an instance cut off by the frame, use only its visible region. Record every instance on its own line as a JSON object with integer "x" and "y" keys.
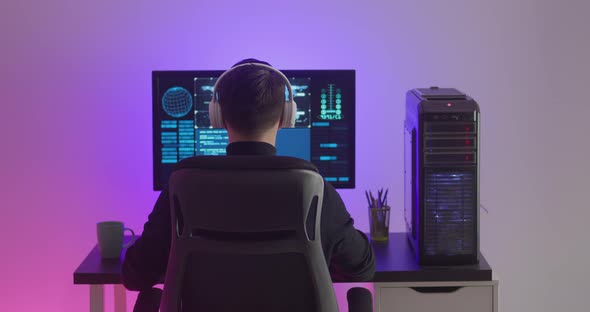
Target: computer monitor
{"x": 324, "y": 132}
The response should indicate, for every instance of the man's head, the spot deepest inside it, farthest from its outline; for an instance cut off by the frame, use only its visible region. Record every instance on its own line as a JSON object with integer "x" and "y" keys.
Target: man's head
{"x": 252, "y": 100}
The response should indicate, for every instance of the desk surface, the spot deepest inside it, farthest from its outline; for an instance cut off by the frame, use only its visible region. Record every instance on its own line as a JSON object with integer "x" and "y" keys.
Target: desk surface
{"x": 394, "y": 258}
{"x": 396, "y": 263}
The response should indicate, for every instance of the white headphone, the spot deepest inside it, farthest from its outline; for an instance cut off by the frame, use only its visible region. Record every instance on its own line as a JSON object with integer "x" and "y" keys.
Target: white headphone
{"x": 289, "y": 111}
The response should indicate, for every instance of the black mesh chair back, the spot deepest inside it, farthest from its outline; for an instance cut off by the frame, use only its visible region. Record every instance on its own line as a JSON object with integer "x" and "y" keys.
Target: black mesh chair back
{"x": 246, "y": 237}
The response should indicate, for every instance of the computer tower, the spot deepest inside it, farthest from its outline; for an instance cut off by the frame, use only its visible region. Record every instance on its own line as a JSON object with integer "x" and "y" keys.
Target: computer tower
{"x": 441, "y": 169}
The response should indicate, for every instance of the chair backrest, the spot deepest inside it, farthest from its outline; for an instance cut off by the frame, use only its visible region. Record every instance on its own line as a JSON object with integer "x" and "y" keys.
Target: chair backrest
{"x": 246, "y": 236}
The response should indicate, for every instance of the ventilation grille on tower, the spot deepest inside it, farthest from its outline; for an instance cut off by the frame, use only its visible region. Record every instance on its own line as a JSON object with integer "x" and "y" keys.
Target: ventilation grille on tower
{"x": 450, "y": 214}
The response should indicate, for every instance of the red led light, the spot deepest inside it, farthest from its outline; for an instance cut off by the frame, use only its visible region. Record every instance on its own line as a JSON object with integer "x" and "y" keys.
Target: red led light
{"x": 467, "y": 129}
{"x": 467, "y": 157}
{"x": 467, "y": 142}
{"x": 449, "y": 104}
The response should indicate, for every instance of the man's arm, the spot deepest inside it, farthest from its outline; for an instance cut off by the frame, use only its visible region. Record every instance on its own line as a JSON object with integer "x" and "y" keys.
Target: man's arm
{"x": 351, "y": 256}
{"x": 146, "y": 260}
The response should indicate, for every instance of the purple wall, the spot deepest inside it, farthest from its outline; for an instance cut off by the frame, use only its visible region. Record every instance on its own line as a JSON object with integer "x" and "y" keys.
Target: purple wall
{"x": 75, "y": 126}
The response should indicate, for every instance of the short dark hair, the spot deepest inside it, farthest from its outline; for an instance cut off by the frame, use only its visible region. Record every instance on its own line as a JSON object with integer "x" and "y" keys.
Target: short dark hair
{"x": 251, "y": 97}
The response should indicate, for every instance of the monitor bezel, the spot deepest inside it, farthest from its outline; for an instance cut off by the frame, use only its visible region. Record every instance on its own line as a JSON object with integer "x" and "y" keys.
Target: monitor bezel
{"x": 190, "y": 74}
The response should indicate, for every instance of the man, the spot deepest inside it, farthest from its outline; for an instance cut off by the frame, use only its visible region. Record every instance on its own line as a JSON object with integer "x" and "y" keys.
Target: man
{"x": 252, "y": 99}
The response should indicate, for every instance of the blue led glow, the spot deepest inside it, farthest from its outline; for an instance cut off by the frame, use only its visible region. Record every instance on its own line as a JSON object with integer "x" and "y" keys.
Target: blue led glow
{"x": 207, "y": 88}
{"x": 177, "y": 102}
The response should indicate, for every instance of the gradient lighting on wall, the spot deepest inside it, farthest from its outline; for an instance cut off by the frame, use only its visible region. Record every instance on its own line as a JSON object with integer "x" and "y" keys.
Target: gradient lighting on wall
{"x": 77, "y": 78}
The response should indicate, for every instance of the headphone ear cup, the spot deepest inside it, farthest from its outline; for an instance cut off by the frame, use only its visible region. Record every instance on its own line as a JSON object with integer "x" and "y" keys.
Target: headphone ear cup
{"x": 215, "y": 117}
{"x": 289, "y": 115}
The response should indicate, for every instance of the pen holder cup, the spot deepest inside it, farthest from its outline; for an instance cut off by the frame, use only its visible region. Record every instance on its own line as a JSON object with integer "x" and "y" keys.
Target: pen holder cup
{"x": 379, "y": 223}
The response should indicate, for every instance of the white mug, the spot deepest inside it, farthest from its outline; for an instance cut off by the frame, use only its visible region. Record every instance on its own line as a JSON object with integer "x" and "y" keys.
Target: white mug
{"x": 110, "y": 238}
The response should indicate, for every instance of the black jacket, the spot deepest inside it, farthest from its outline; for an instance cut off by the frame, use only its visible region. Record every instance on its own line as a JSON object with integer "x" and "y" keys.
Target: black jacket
{"x": 348, "y": 254}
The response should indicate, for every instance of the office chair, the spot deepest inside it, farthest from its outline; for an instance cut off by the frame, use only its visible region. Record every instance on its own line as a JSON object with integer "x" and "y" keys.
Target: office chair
{"x": 359, "y": 300}
{"x": 148, "y": 300}
{"x": 246, "y": 237}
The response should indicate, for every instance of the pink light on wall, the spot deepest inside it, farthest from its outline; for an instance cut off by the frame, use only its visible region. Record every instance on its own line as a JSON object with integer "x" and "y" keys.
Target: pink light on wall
{"x": 76, "y": 86}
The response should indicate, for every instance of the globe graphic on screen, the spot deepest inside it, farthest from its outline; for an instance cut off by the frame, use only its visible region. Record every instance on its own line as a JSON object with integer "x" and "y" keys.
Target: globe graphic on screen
{"x": 177, "y": 102}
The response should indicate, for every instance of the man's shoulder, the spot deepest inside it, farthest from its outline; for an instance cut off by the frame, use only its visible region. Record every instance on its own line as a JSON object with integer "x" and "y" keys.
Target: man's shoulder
{"x": 332, "y": 200}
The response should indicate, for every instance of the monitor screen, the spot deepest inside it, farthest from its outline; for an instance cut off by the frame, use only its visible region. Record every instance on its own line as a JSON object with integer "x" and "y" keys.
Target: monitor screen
{"x": 324, "y": 131}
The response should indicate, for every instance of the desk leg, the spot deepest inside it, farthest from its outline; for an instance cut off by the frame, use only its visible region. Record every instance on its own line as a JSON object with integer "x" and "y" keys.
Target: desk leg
{"x": 120, "y": 298}
{"x": 97, "y": 298}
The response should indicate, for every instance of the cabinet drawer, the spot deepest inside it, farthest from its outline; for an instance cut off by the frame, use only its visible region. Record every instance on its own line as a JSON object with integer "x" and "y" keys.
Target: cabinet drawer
{"x": 439, "y": 299}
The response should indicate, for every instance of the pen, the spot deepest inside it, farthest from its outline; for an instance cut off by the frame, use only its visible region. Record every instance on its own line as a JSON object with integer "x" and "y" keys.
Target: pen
{"x": 368, "y": 199}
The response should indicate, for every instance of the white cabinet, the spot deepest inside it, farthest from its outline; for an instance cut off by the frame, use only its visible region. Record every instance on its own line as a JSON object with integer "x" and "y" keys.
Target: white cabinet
{"x": 469, "y": 296}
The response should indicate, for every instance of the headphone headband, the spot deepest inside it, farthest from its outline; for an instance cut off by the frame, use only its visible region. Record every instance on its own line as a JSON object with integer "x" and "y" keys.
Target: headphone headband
{"x": 288, "y": 116}
{"x": 287, "y": 83}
